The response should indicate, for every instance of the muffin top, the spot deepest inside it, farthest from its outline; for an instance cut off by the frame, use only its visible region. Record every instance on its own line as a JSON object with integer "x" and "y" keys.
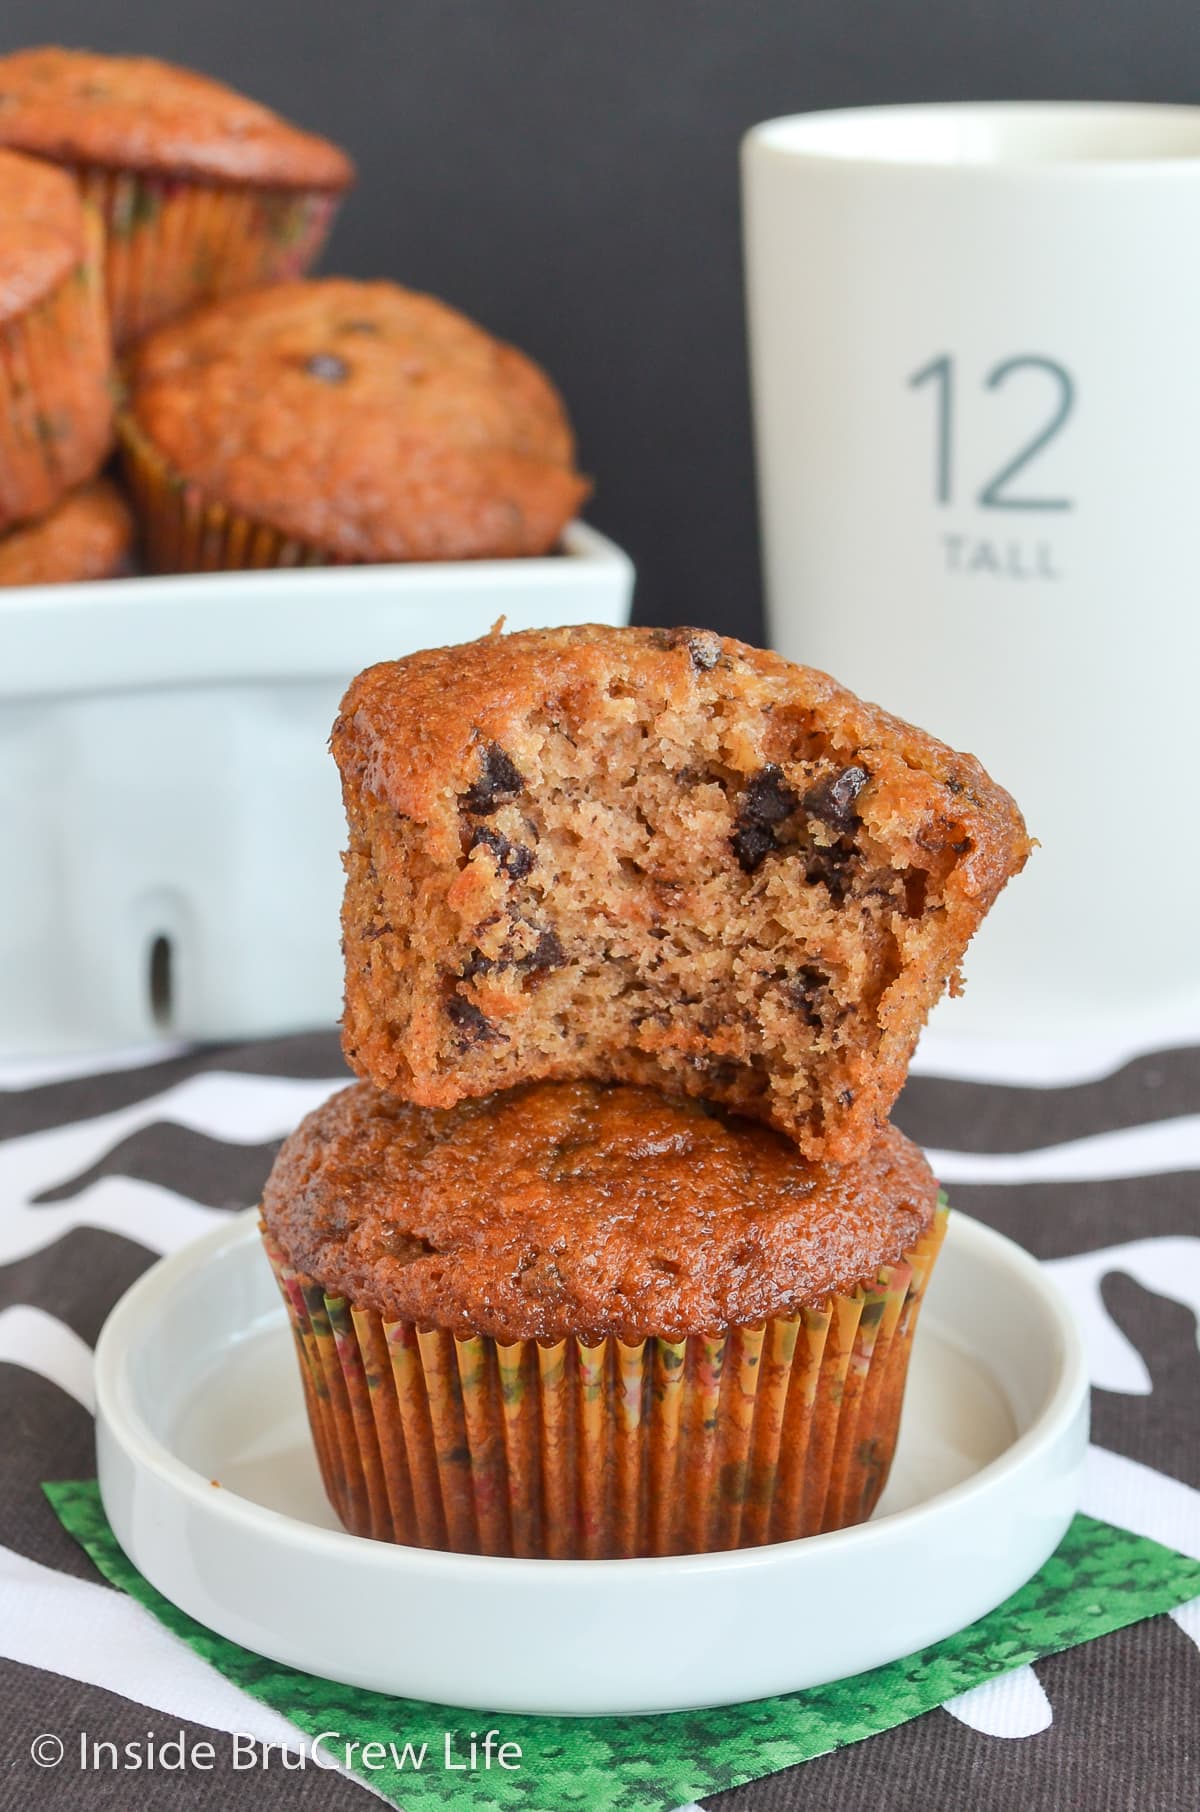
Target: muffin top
{"x": 369, "y": 421}
{"x": 569, "y": 1208}
{"x": 416, "y": 730}
{"x": 88, "y": 536}
{"x": 135, "y": 113}
{"x": 41, "y": 231}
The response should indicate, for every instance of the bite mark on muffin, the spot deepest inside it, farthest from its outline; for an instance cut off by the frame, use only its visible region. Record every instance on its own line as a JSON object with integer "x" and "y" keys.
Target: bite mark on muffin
{"x": 733, "y": 881}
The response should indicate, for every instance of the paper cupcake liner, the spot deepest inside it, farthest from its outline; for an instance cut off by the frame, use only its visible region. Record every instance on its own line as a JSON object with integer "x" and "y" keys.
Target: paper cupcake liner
{"x": 174, "y": 243}
{"x": 56, "y": 400}
{"x": 567, "y": 1451}
{"x": 182, "y": 531}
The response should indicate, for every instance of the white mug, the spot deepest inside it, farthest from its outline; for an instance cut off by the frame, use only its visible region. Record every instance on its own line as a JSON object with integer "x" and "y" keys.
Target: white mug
{"x": 975, "y": 351}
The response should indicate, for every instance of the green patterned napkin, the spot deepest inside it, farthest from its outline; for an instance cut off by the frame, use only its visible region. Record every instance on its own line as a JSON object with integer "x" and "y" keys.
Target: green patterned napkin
{"x": 1100, "y": 1579}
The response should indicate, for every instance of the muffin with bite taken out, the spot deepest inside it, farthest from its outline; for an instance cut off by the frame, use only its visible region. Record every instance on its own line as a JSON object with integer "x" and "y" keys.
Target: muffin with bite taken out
{"x": 659, "y": 857}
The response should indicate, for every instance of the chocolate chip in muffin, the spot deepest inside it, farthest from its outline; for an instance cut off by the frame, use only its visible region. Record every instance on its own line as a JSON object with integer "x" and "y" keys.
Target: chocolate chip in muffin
{"x": 767, "y": 799}
{"x": 472, "y": 1022}
{"x": 499, "y": 783}
{"x": 831, "y": 801}
{"x": 766, "y": 802}
{"x": 328, "y": 367}
{"x": 751, "y": 844}
{"x": 702, "y": 645}
{"x": 806, "y": 991}
{"x": 705, "y": 650}
{"x": 832, "y": 868}
{"x": 547, "y": 953}
{"x": 515, "y": 859}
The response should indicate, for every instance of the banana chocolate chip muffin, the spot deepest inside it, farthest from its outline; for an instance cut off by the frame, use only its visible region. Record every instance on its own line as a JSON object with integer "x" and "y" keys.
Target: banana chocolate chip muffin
{"x": 574, "y": 1320}
{"x": 55, "y": 358}
{"x": 342, "y": 421}
{"x": 203, "y": 192}
{"x": 88, "y": 536}
{"x": 657, "y": 857}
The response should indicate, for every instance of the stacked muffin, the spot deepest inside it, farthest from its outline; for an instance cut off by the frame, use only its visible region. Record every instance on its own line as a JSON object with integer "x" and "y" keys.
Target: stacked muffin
{"x": 612, "y": 1251}
{"x": 265, "y": 420}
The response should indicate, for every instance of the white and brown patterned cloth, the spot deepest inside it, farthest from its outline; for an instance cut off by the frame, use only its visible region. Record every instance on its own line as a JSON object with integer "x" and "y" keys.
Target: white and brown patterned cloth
{"x": 1089, "y": 1156}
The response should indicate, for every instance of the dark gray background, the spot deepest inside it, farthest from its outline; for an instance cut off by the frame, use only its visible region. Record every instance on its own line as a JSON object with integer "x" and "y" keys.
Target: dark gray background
{"x": 567, "y": 173}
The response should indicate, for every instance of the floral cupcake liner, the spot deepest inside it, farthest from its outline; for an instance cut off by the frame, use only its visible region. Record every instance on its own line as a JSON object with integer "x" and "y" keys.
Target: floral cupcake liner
{"x": 567, "y": 1451}
{"x": 56, "y": 401}
{"x": 174, "y": 243}
{"x": 183, "y": 531}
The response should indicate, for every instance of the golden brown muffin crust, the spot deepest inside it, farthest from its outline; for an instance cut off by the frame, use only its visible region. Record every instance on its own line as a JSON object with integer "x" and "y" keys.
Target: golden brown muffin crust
{"x": 658, "y": 857}
{"x": 89, "y": 536}
{"x": 574, "y": 1209}
{"x": 407, "y": 719}
{"x": 41, "y": 231}
{"x": 365, "y": 419}
{"x": 136, "y": 113}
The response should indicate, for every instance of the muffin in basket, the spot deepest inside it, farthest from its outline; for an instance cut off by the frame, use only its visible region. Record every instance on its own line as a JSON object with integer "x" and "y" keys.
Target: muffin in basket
{"x": 202, "y": 191}
{"x": 586, "y": 1322}
{"x": 88, "y": 536}
{"x": 55, "y": 358}
{"x": 338, "y": 421}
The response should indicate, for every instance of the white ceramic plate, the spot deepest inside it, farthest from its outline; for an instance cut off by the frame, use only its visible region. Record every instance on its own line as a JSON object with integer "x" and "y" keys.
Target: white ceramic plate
{"x": 211, "y": 1487}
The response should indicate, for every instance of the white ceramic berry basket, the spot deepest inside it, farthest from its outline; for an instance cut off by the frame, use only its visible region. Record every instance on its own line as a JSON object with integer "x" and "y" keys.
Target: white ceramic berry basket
{"x": 170, "y": 818}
